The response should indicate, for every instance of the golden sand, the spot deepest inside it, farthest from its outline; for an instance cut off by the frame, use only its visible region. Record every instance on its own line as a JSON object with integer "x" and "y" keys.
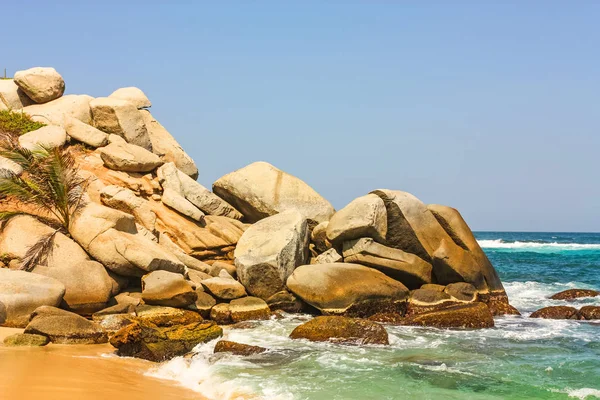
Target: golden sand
{"x": 79, "y": 372}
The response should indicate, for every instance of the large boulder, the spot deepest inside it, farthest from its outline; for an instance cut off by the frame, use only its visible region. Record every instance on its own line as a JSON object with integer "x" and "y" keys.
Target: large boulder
{"x": 50, "y": 136}
{"x": 270, "y": 250}
{"x": 11, "y": 96}
{"x": 350, "y": 289}
{"x": 54, "y": 112}
{"x": 64, "y": 327}
{"x": 407, "y": 268}
{"x": 589, "y": 312}
{"x": 165, "y": 288}
{"x": 154, "y": 343}
{"x": 20, "y": 233}
{"x": 425, "y": 300}
{"x": 133, "y": 95}
{"x": 88, "y": 285}
{"x": 22, "y": 292}
{"x": 260, "y": 190}
{"x": 120, "y": 117}
{"x": 224, "y": 287}
{"x": 556, "y": 312}
{"x": 341, "y": 330}
{"x": 249, "y": 308}
{"x": 471, "y": 316}
{"x": 364, "y": 217}
{"x": 122, "y": 156}
{"x": 41, "y": 84}
{"x": 174, "y": 180}
{"x": 125, "y": 200}
{"x": 85, "y": 133}
{"x": 111, "y": 237}
{"x": 571, "y": 294}
{"x": 166, "y": 147}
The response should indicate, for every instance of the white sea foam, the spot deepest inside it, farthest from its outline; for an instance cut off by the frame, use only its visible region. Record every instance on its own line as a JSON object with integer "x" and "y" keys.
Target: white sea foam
{"x": 536, "y": 246}
{"x": 583, "y": 394}
{"x": 530, "y": 295}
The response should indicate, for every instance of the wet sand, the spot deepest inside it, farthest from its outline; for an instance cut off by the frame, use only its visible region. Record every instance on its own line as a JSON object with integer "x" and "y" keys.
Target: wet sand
{"x": 79, "y": 372}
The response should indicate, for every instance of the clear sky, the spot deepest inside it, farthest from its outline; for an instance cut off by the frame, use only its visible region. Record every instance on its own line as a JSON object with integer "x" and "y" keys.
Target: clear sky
{"x": 493, "y": 109}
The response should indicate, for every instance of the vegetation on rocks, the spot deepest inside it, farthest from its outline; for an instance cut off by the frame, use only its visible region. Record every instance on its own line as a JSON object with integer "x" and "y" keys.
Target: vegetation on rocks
{"x": 17, "y": 123}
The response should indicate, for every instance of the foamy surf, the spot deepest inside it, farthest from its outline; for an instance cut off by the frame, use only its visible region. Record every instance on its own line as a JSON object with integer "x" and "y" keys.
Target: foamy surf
{"x": 536, "y": 246}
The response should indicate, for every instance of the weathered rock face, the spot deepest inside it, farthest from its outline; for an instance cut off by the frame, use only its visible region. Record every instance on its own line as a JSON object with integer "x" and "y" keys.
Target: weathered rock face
{"x": 260, "y": 190}
{"x": 341, "y": 330}
{"x": 180, "y": 204}
{"x": 555, "y": 312}
{"x": 456, "y": 227}
{"x": 239, "y": 349}
{"x": 11, "y": 96}
{"x": 462, "y": 291}
{"x": 25, "y": 340}
{"x": 165, "y": 316}
{"x": 54, "y": 112}
{"x": 88, "y": 285}
{"x": 48, "y": 136}
{"x": 167, "y": 289}
{"x": 41, "y": 84}
{"x": 122, "y": 156}
{"x": 248, "y": 308}
{"x": 85, "y": 133}
{"x": 400, "y": 265}
{"x": 426, "y": 300}
{"x": 203, "y": 304}
{"x": 270, "y": 250}
{"x": 224, "y": 287}
{"x": 349, "y": 289}
{"x": 111, "y": 237}
{"x": 328, "y": 257}
{"x": 133, "y": 95}
{"x": 65, "y": 327}
{"x": 121, "y": 118}
{"x": 364, "y": 217}
{"x": 162, "y": 343}
{"x": 285, "y": 301}
{"x": 589, "y": 312}
{"x": 125, "y": 200}
{"x": 319, "y": 237}
{"x": 471, "y": 316}
{"x": 571, "y": 294}
{"x": 166, "y": 147}
{"x": 221, "y": 314}
{"x": 22, "y": 292}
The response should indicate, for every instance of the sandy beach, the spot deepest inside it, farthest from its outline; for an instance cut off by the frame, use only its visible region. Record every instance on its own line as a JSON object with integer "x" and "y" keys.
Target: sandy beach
{"x": 76, "y": 372}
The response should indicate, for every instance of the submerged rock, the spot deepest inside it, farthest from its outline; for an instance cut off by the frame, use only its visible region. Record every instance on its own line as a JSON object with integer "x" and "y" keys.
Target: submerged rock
{"x": 26, "y": 340}
{"x": 471, "y": 316}
{"x": 555, "y": 312}
{"x": 239, "y": 349}
{"x": 341, "y": 330}
{"x": 64, "y": 327}
{"x": 571, "y": 294}
{"x": 147, "y": 341}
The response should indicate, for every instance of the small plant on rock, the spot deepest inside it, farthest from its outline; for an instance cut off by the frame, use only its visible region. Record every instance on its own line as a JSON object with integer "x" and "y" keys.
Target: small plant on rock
{"x": 17, "y": 123}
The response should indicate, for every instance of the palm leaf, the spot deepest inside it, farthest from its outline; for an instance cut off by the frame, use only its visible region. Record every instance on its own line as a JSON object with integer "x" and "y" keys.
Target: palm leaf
{"x": 39, "y": 252}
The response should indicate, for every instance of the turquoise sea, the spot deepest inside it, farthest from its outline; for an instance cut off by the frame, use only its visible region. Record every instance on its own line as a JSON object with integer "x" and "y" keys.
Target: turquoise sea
{"x": 520, "y": 358}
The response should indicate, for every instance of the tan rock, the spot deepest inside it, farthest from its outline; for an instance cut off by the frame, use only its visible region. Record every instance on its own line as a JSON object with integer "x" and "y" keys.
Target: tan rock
{"x": 341, "y": 330}
{"x": 64, "y": 327}
{"x": 249, "y": 308}
{"x": 471, "y": 316}
{"x": 319, "y": 237}
{"x": 41, "y": 84}
{"x": 128, "y": 157}
{"x": 240, "y": 349}
{"x": 180, "y": 204}
{"x": 407, "y": 268}
{"x": 121, "y": 118}
{"x": 85, "y": 133}
{"x": 55, "y": 111}
{"x": 10, "y": 166}
{"x": 125, "y": 200}
{"x": 221, "y": 314}
{"x": 50, "y": 136}
{"x": 364, "y": 217}
{"x": 260, "y": 190}
{"x": 169, "y": 289}
{"x": 328, "y": 257}
{"x": 224, "y": 287}
{"x": 12, "y": 97}
{"x": 270, "y": 250}
{"x": 350, "y": 289}
{"x": 133, "y": 95}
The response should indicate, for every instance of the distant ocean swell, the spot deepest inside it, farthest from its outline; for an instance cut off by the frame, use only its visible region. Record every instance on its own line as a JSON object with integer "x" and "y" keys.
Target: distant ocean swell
{"x": 533, "y": 246}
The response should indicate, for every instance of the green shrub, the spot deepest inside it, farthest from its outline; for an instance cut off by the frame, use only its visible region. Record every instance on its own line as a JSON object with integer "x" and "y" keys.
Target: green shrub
{"x": 16, "y": 123}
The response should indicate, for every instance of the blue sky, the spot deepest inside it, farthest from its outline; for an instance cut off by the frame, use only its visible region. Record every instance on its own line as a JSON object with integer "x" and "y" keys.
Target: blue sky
{"x": 491, "y": 108}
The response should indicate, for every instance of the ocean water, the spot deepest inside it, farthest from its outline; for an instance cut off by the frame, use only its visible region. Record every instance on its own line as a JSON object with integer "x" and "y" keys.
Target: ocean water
{"x": 520, "y": 358}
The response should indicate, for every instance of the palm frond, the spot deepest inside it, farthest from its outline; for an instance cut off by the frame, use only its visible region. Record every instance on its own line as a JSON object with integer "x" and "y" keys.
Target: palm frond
{"x": 6, "y": 215}
{"x": 38, "y": 253}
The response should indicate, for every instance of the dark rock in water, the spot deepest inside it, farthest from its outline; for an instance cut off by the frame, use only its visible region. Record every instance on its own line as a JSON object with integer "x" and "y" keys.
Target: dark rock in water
{"x": 166, "y": 316}
{"x": 147, "y": 341}
{"x": 249, "y": 308}
{"x": 427, "y": 300}
{"x": 574, "y": 294}
{"x": 462, "y": 291}
{"x": 589, "y": 312}
{"x": 472, "y": 316}
{"x": 65, "y": 327}
{"x": 26, "y": 339}
{"x": 555, "y": 312}
{"x": 341, "y": 330}
{"x": 387, "y": 318}
{"x": 498, "y": 303}
{"x": 239, "y": 349}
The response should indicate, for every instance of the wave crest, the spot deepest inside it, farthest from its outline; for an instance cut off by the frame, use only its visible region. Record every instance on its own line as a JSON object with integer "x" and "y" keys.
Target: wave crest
{"x": 533, "y": 246}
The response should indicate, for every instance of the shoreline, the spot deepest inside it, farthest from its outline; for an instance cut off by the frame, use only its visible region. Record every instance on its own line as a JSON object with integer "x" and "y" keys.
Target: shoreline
{"x": 75, "y": 372}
